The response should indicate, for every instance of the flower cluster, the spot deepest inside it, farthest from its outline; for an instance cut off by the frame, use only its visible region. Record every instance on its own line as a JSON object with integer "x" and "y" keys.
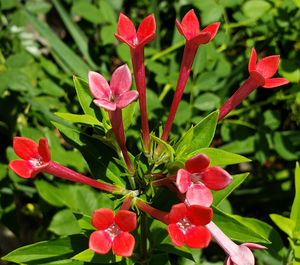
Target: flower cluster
{"x": 189, "y": 222}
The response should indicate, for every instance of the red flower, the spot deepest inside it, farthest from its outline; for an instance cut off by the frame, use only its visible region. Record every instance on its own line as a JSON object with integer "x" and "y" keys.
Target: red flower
{"x": 127, "y": 32}
{"x": 36, "y": 158}
{"x": 186, "y": 225}
{"x": 198, "y": 178}
{"x": 112, "y": 232}
{"x": 264, "y": 70}
{"x": 116, "y": 95}
{"x": 190, "y": 27}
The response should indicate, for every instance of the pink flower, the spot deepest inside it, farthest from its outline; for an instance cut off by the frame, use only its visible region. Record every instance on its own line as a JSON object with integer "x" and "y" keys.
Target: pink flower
{"x": 198, "y": 178}
{"x": 264, "y": 70}
{"x": 113, "y": 232}
{"x": 36, "y": 158}
{"x": 190, "y": 27}
{"x": 127, "y": 32}
{"x": 117, "y": 95}
{"x": 186, "y": 225}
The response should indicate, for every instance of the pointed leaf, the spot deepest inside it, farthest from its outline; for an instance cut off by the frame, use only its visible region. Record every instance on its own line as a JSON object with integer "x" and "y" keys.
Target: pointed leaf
{"x": 295, "y": 212}
{"x": 90, "y": 256}
{"x": 82, "y": 119}
{"x": 287, "y": 225}
{"x": 184, "y": 143}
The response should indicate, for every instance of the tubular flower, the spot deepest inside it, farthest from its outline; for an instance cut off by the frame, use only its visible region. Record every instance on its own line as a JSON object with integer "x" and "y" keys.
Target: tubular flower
{"x": 198, "y": 178}
{"x": 117, "y": 95}
{"x": 189, "y": 28}
{"x": 113, "y": 232}
{"x": 35, "y": 157}
{"x": 186, "y": 225}
{"x": 260, "y": 75}
{"x": 236, "y": 254}
{"x": 128, "y": 34}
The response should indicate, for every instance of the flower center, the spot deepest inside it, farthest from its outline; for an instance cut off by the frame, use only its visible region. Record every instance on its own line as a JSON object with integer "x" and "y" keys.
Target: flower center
{"x": 196, "y": 178}
{"x": 184, "y": 224}
{"x": 37, "y": 162}
{"x": 113, "y": 230}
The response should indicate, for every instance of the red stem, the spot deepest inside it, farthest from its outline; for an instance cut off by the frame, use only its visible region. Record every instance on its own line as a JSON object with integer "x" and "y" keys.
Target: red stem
{"x": 68, "y": 174}
{"x": 244, "y": 91}
{"x": 137, "y": 57}
{"x": 127, "y": 203}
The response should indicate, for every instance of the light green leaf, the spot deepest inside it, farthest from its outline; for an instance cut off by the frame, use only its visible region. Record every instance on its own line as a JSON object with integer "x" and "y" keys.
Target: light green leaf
{"x": 84, "y": 221}
{"x": 288, "y": 69}
{"x": 166, "y": 145}
{"x": 85, "y": 98}
{"x": 46, "y": 251}
{"x": 241, "y": 147}
{"x": 90, "y": 256}
{"x": 220, "y": 195}
{"x": 64, "y": 223}
{"x": 204, "y": 132}
{"x": 184, "y": 143}
{"x": 51, "y": 88}
{"x": 38, "y": 7}
{"x": 219, "y": 157}
{"x": 287, "y": 225}
{"x": 235, "y": 230}
{"x": 255, "y": 8}
{"x": 18, "y": 60}
{"x": 83, "y": 119}
{"x": 127, "y": 114}
{"x": 89, "y": 12}
{"x": 295, "y": 212}
{"x": 107, "y": 35}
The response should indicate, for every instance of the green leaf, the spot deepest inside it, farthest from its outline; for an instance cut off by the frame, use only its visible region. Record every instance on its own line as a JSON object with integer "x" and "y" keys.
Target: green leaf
{"x": 127, "y": 114}
{"x": 62, "y": 50}
{"x": 64, "y": 223}
{"x": 206, "y": 102}
{"x": 161, "y": 259}
{"x": 84, "y": 221}
{"x": 38, "y": 7}
{"x": 205, "y": 82}
{"x": 47, "y": 251}
{"x": 7, "y": 4}
{"x": 16, "y": 80}
{"x": 90, "y": 256}
{"x": 184, "y": 143}
{"x": 19, "y": 60}
{"x": 51, "y": 88}
{"x": 255, "y": 8}
{"x": 106, "y": 34}
{"x": 85, "y": 98}
{"x": 204, "y": 132}
{"x": 276, "y": 249}
{"x": 219, "y": 157}
{"x": 83, "y": 119}
{"x": 98, "y": 156}
{"x": 287, "y": 225}
{"x": 284, "y": 147}
{"x": 241, "y": 147}
{"x": 295, "y": 212}
{"x": 79, "y": 37}
{"x": 220, "y": 195}
{"x": 166, "y": 145}
{"x": 3, "y": 171}
{"x": 288, "y": 69}
{"x": 89, "y": 12}
{"x": 235, "y": 230}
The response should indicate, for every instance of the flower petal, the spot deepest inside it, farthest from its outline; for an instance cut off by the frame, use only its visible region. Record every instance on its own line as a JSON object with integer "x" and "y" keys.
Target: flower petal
{"x": 25, "y": 148}
{"x": 268, "y": 66}
{"x": 190, "y": 25}
{"x": 126, "y": 29}
{"x": 252, "y": 60}
{"x": 183, "y": 180}
{"x": 126, "y": 220}
{"x": 243, "y": 256}
{"x": 43, "y": 150}
{"x": 199, "y": 215}
{"x": 275, "y": 82}
{"x": 100, "y": 242}
{"x": 123, "y": 244}
{"x": 120, "y": 81}
{"x": 216, "y": 178}
{"x": 197, "y": 237}
{"x": 176, "y": 235}
{"x": 200, "y": 195}
{"x": 258, "y": 78}
{"x": 22, "y": 168}
{"x": 253, "y": 246}
{"x": 197, "y": 163}
{"x": 178, "y": 211}
{"x": 98, "y": 86}
{"x": 102, "y": 218}
{"x": 146, "y": 30}
{"x": 201, "y": 38}
{"x": 127, "y": 99}
{"x": 212, "y": 29}
{"x": 105, "y": 104}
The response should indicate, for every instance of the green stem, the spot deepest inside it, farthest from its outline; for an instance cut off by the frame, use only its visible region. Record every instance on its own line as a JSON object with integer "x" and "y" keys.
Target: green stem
{"x": 168, "y": 50}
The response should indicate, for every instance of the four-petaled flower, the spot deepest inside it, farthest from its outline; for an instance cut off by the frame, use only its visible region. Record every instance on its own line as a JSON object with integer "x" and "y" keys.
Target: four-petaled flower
{"x": 36, "y": 157}
{"x": 116, "y": 95}
{"x": 190, "y": 27}
{"x": 113, "y": 232}
{"x": 198, "y": 178}
{"x": 128, "y": 34}
{"x": 186, "y": 225}
{"x": 264, "y": 70}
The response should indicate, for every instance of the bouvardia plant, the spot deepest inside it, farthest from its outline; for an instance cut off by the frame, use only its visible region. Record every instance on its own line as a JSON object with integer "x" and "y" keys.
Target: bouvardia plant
{"x": 162, "y": 200}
